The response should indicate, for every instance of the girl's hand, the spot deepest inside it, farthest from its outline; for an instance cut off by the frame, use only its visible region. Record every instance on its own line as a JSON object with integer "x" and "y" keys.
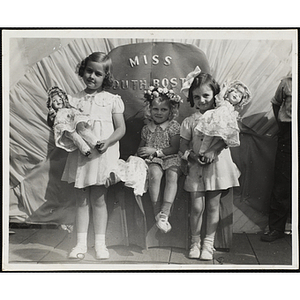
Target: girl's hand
{"x": 103, "y": 146}
{"x": 145, "y": 151}
{"x": 52, "y": 114}
{"x": 208, "y": 157}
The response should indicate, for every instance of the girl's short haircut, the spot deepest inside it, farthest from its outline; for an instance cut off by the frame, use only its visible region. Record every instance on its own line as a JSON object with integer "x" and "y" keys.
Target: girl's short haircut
{"x": 106, "y": 62}
{"x": 201, "y": 79}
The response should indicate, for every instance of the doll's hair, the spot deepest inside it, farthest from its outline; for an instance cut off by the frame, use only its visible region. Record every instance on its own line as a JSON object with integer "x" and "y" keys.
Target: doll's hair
{"x": 203, "y": 79}
{"x": 106, "y": 62}
{"x": 162, "y": 94}
{"x": 243, "y": 89}
{"x": 57, "y": 91}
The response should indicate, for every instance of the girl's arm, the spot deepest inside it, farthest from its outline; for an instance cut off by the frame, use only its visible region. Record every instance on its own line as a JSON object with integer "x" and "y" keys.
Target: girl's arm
{"x": 186, "y": 151}
{"x": 119, "y": 132}
{"x": 141, "y": 151}
{"x": 50, "y": 118}
{"x": 174, "y": 145}
{"x": 149, "y": 151}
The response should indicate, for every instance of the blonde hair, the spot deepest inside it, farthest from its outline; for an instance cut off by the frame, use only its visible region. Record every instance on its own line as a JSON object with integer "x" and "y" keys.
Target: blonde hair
{"x": 161, "y": 94}
{"x": 243, "y": 89}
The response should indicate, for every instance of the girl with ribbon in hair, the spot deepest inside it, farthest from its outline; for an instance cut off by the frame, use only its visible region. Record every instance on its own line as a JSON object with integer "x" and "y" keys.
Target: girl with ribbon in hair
{"x": 159, "y": 147}
{"x": 72, "y": 129}
{"x": 205, "y": 182}
{"x": 89, "y": 175}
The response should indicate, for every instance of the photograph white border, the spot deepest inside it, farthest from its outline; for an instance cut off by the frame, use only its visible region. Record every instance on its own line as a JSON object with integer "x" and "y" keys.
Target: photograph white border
{"x": 255, "y": 34}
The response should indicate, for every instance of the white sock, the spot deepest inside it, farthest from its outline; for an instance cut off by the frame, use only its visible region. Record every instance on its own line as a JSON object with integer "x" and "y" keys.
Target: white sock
{"x": 82, "y": 239}
{"x": 99, "y": 239}
{"x": 208, "y": 241}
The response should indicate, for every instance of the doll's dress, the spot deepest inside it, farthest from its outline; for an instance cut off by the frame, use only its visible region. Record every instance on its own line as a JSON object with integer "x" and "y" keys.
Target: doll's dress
{"x": 134, "y": 173}
{"x": 221, "y": 122}
{"x": 66, "y": 120}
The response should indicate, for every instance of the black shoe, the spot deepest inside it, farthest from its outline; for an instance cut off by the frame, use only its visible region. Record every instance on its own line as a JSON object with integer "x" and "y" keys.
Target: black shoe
{"x": 271, "y": 236}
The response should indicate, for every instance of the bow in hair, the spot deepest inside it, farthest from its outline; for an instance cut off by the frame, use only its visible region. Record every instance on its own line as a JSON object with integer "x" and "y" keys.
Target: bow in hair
{"x": 189, "y": 80}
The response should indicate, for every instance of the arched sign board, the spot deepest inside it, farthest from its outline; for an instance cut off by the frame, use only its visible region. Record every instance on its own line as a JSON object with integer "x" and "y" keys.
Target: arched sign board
{"x": 137, "y": 66}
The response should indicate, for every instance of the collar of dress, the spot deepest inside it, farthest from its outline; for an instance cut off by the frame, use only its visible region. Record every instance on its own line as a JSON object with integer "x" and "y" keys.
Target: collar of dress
{"x": 163, "y": 126}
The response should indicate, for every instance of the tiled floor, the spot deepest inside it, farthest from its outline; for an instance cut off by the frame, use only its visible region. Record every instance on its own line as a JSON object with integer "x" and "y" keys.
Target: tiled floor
{"x": 42, "y": 247}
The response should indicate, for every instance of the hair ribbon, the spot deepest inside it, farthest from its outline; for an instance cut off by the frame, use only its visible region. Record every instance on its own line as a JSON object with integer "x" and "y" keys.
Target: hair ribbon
{"x": 189, "y": 80}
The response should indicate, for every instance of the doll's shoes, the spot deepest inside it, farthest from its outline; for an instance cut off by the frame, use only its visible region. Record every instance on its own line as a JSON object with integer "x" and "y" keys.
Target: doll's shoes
{"x": 87, "y": 153}
{"x": 78, "y": 252}
{"x": 112, "y": 179}
{"x": 99, "y": 145}
{"x": 194, "y": 251}
{"x": 101, "y": 252}
{"x": 201, "y": 160}
{"x": 162, "y": 222}
{"x": 207, "y": 252}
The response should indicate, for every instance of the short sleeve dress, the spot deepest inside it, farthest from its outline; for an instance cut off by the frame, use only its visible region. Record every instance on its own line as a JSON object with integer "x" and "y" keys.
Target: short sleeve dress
{"x": 79, "y": 169}
{"x": 158, "y": 137}
{"x": 219, "y": 175}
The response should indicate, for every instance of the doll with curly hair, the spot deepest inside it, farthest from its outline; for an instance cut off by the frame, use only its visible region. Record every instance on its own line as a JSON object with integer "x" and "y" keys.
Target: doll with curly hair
{"x": 71, "y": 127}
{"x": 221, "y": 122}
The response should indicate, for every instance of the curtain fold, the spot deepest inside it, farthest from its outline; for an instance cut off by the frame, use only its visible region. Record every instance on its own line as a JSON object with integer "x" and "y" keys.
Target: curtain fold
{"x": 260, "y": 64}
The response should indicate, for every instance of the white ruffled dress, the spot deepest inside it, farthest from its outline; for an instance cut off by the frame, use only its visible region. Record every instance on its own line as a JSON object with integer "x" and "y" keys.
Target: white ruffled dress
{"x": 84, "y": 171}
{"x": 221, "y": 122}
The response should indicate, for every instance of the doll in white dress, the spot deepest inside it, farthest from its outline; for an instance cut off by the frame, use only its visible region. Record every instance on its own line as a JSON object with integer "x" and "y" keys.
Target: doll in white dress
{"x": 221, "y": 122}
{"x": 72, "y": 128}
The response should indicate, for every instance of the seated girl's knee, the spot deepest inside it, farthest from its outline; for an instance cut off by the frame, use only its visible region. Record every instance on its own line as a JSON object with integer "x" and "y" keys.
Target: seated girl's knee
{"x": 172, "y": 174}
{"x": 155, "y": 171}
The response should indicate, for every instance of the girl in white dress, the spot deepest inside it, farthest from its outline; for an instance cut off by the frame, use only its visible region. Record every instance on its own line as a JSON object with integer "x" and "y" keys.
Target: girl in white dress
{"x": 204, "y": 182}
{"x": 89, "y": 175}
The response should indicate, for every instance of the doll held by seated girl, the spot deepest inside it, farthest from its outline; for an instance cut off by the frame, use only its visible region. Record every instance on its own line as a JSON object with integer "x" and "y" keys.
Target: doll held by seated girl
{"x": 71, "y": 127}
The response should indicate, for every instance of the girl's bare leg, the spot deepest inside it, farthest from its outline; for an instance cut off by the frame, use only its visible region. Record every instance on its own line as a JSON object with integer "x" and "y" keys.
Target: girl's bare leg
{"x": 155, "y": 176}
{"x": 98, "y": 202}
{"x": 100, "y": 216}
{"x": 82, "y": 222}
{"x": 197, "y": 209}
{"x": 213, "y": 215}
{"x": 170, "y": 189}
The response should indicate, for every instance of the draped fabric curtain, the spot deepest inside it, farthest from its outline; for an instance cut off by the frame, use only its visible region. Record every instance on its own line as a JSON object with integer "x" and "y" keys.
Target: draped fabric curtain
{"x": 34, "y": 159}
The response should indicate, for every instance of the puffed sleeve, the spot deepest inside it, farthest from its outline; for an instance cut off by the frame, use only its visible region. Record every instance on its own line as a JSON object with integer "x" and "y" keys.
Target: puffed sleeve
{"x": 73, "y": 101}
{"x": 186, "y": 129}
{"x": 118, "y": 105}
{"x": 174, "y": 128}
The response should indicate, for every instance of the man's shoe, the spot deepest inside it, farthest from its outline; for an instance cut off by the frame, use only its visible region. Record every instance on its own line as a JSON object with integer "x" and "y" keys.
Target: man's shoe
{"x": 272, "y": 236}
